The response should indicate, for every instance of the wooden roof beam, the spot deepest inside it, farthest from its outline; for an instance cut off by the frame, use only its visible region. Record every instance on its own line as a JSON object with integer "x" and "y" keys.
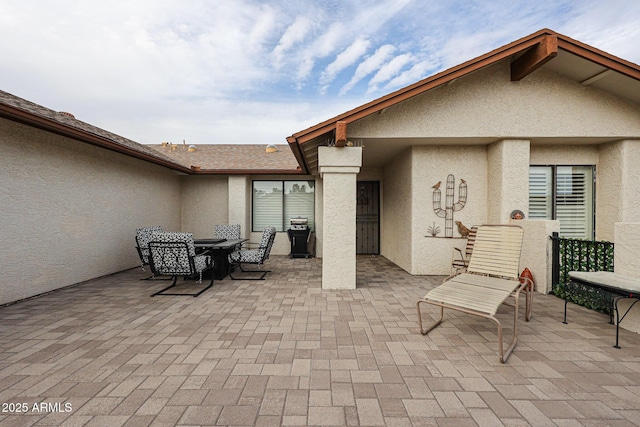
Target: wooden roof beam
{"x": 534, "y": 58}
{"x": 341, "y": 134}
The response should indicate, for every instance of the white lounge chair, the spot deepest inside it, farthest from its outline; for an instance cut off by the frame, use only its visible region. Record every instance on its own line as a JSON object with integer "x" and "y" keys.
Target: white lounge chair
{"x": 490, "y": 278}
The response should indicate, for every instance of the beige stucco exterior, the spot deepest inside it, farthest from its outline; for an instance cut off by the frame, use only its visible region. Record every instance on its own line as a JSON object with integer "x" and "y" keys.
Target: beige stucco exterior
{"x": 204, "y": 203}
{"x": 70, "y": 210}
{"x": 339, "y": 168}
{"x": 456, "y": 130}
{"x": 626, "y": 256}
{"x": 481, "y": 127}
{"x": 487, "y": 104}
{"x": 396, "y": 224}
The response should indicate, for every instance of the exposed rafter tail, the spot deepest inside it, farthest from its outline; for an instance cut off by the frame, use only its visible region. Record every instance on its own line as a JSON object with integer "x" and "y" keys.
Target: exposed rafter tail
{"x": 534, "y": 58}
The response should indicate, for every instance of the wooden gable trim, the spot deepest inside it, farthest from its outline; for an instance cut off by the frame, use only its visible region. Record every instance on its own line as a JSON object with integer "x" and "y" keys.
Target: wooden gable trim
{"x": 341, "y": 134}
{"x": 534, "y": 58}
{"x": 297, "y": 153}
{"x": 542, "y": 48}
{"x": 600, "y": 57}
{"x": 423, "y": 86}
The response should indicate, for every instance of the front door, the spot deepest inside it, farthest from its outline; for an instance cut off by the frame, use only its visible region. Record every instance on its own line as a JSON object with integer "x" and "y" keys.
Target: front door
{"x": 368, "y": 218}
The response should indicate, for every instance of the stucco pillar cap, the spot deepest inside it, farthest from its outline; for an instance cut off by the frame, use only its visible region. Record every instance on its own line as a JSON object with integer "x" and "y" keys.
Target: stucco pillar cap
{"x": 339, "y": 159}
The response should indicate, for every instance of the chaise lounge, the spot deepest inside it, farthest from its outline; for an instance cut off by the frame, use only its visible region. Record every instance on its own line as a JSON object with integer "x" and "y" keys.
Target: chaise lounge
{"x": 490, "y": 278}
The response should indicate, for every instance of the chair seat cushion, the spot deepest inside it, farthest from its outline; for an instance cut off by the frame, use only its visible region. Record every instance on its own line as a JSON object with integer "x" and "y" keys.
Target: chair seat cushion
{"x": 201, "y": 262}
{"x": 249, "y": 256}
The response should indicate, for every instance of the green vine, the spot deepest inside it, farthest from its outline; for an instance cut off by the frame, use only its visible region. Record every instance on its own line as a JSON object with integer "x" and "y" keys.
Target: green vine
{"x": 584, "y": 255}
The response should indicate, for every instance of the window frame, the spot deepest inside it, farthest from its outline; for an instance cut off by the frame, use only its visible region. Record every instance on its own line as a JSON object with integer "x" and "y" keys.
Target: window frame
{"x": 554, "y": 189}
{"x": 283, "y": 183}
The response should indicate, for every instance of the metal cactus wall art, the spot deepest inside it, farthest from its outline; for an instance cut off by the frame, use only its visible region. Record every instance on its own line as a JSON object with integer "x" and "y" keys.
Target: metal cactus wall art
{"x": 450, "y": 207}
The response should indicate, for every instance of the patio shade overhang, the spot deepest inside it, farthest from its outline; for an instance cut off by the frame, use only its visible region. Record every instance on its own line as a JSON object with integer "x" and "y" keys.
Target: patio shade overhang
{"x": 558, "y": 53}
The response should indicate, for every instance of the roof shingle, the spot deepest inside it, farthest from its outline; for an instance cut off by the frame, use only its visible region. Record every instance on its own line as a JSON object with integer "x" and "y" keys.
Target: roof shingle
{"x": 250, "y": 158}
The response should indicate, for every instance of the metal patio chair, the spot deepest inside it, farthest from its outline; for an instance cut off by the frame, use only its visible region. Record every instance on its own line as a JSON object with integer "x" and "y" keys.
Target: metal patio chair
{"x": 174, "y": 254}
{"x": 142, "y": 244}
{"x": 256, "y": 256}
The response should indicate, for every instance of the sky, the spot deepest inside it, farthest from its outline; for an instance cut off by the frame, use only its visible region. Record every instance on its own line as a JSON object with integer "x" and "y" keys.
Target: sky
{"x": 243, "y": 71}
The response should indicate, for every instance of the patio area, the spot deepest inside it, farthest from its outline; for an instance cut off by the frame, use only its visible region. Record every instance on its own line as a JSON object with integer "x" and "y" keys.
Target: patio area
{"x": 285, "y": 352}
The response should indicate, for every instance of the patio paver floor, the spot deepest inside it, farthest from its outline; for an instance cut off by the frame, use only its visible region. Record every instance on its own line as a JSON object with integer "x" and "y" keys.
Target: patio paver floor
{"x": 285, "y": 352}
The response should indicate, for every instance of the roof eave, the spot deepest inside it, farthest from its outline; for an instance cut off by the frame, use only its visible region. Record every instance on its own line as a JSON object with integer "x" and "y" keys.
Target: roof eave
{"x": 297, "y": 153}
{"x": 423, "y": 85}
{"x": 600, "y": 57}
{"x": 43, "y": 123}
{"x": 546, "y": 41}
{"x": 247, "y": 172}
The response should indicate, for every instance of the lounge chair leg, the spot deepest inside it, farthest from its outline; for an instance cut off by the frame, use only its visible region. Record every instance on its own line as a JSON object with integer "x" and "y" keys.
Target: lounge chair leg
{"x": 504, "y": 354}
{"x": 434, "y": 325}
{"x": 528, "y": 293}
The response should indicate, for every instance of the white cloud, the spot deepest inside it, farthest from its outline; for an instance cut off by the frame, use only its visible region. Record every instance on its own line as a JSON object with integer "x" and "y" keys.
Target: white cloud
{"x": 206, "y": 71}
{"x": 326, "y": 43}
{"x": 414, "y": 74}
{"x": 389, "y": 70}
{"x": 368, "y": 66}
{"x": 345, "y": 59}
{"x": 294, "y": 34}
{"x": 612, "y": 26}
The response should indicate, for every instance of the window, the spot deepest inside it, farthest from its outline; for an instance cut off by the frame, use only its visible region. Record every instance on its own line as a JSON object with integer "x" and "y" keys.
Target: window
{"x": 276, "y": 202}
{"x": 564, "y": 193}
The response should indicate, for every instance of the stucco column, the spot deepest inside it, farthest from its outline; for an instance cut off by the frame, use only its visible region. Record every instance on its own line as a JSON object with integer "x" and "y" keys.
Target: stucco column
{"x": 617, "y": 187}
{"x": 508, "y": 182}
{"x": 338, "y": 168}
{"x": 239, "y": 201}
{"x": 625, "y": 261}
{"x": 630, "y": 182}
{"x": 537, "y": 250}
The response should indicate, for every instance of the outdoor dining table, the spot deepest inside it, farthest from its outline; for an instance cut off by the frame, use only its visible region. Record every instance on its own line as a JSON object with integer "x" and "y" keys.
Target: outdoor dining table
{"x": 220, "y": 250}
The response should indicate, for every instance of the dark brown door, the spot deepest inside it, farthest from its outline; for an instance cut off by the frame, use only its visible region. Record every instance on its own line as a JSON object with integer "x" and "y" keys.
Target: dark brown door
{"x": 368, "y": 218}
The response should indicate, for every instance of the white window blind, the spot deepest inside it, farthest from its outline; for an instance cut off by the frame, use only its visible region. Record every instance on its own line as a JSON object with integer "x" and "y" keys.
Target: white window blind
{"x": 276, "y": 202}
{"x": 540, "y": 192}
{"x": 267, "y": 204}
{"x": 298, "y": 201}
{"x": 574, "y": 201}
{"x": 568, "y": 199}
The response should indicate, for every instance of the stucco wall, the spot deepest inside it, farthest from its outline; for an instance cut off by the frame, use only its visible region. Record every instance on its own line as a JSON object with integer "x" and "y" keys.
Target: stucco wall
{"x": 432, "y": 164}
{"x": 617, "y": 186}
{"x": 609, "y": 177}
{"x": 537, "y": 251}
{"x": 70, "y": 210}
{"x": 239, "y": 187}
{"x": 396, "y": 223}
{"x": 487, "y": 104}
{"x": 627, "y": 253}
{"x": 508, "y": 179}
{"x": 205, "y": 203}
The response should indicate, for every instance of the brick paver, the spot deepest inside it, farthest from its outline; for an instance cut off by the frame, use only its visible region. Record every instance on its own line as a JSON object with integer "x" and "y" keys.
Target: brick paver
{"x": 285, "y": 352}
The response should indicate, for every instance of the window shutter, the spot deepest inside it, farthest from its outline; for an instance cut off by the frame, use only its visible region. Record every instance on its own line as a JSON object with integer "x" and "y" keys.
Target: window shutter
{"x": 574, "y": 196}
{"x": 540, "y": 192}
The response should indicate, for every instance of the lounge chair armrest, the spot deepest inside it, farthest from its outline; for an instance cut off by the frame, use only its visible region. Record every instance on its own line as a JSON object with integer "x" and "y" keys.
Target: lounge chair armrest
{"x": 450, "y": 277}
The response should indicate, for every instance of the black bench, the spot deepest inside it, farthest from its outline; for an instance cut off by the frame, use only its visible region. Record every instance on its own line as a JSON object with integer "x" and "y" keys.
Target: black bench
{"x": 619, "y": 286}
